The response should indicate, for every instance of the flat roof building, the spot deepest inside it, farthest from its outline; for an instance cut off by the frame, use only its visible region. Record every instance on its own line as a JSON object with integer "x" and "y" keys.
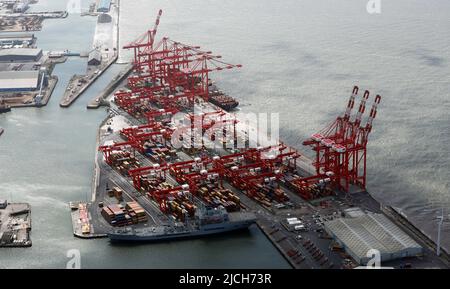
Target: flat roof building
{"x": 95, "y": 57}
{"x": 19, "y": 80}
{"x": 9, "y": 35}
{"x": 104, "y": 6}
{"x": 360, "y": 234}
{"x": 21, "y": 7}
{"x": 20, "y": 55}
{"x": 10, "y": 40}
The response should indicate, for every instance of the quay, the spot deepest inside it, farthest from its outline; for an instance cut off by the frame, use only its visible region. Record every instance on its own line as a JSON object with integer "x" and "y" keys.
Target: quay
{"x": 22, "y": 22}
{"x": 15, "y": 224}
{"x": 82, "y": 222}
{"x": 97, "y": 101}
{"x": 102, "y": 56}
{"x": 18, "y": 102}
{"x": 78, "y": 84}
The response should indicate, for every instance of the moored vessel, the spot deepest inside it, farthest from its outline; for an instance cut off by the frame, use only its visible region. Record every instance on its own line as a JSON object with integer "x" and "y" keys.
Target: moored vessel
{"x": 222, "y": 100}
{"x": 208, "y": 221}
{"x": 3, "y": 106}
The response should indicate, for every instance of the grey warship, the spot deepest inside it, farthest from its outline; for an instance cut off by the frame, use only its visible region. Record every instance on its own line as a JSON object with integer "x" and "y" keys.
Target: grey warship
{"x": 208, "y": 221}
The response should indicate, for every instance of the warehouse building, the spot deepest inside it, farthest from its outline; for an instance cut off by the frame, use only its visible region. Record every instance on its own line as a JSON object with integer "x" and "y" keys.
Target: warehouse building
{"x": 360, "y": 234}
{"x": 9, "y": 40}
{"x": 95, "y": 57}
{"x": 19, "y": 81}
{"x": 104, "y": 6}
{"x": 104, "y": 18}
{"x": 21, "y": 7}
{"x": 20, "y": 55}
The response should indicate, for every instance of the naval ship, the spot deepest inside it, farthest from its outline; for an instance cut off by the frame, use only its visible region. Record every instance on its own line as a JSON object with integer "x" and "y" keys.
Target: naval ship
{"x": 208, "y": 221}
{"x": 3, "y": 106}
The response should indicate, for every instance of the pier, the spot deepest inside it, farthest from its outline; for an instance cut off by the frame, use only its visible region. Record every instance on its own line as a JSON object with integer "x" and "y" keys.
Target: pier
{"x": 117, "y": 80}
{"x": 21, "y": 22}
{"x": 101, "y": 57}
{"x": 15, "y": 224}
{"x": 78, "y": 84}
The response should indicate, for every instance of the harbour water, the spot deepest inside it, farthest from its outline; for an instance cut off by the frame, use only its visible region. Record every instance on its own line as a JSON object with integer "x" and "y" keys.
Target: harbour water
{"x": 300, "y": 59}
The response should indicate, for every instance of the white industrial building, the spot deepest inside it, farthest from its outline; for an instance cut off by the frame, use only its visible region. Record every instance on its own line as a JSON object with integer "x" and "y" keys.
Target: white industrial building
{"x": 359, "y": 234}
{"x": 95, "y": 57}
{"x": 19, "y": 80}
{"x": 10, "y": 39}
{"x": 20, "y": 55}
{"x": 104, "y": 6}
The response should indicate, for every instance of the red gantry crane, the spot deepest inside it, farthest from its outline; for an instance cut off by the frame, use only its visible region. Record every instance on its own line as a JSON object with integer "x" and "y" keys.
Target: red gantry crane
{"x": 144, "y": 41}
{"x": 341, "y": 147}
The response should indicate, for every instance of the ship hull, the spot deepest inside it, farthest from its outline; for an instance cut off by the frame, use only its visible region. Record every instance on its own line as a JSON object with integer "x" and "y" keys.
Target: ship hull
{"x": 226, "y": 105}
{"x": 4, "y": 110}
{"x": 220, "y": 229}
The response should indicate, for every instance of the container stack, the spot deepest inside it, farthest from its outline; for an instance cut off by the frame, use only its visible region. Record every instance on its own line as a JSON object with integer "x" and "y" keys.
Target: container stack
{"x": 273, "y": 193}
{"x": 116, "y": 215}
{"x": 123, "y": 162}
{"x": 159, "y": 154}
{"x": 217, "y": 196}
{"x": 117, "y": 193}
{"x": 178, "y": 204}
{"x": 181, "y": 207}
{"x": 305, "y": 190}
{"x": 150, "y": 183}
{"x": 136, "y": 212}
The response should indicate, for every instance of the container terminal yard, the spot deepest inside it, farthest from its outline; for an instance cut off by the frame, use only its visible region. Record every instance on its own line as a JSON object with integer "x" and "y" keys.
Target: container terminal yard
{"x": 174, "y": 161}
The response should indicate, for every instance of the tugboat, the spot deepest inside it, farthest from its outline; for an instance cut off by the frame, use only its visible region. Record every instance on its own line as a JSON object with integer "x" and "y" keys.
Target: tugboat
{"x": 3, "y": 106}
{"x": 208, "y": 221}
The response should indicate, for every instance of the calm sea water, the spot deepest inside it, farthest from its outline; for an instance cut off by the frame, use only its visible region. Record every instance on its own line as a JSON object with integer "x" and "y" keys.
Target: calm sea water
{"x": 46, "y": 159}
{"x": 301, "y": 59}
